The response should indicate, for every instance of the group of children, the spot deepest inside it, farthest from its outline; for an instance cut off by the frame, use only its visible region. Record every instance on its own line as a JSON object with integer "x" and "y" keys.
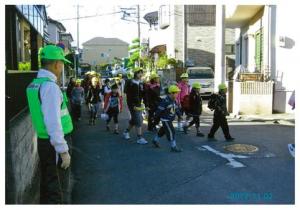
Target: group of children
{"x": 146, "y": 97}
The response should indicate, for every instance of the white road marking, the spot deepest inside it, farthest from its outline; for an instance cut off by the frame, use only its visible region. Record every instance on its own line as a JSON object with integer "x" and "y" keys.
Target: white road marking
{"x": 230, "y": 157}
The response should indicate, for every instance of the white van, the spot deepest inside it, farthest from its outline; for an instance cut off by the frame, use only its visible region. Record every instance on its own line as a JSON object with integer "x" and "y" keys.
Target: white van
{"x": 203, "y": 75}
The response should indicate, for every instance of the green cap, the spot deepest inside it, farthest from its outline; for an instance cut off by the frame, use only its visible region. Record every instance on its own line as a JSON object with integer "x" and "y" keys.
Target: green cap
{"x": 52, "y": 52}
{"x": 196, "y": 85}
{"x": 222, "y": 86}
{"x": 173, "y": 89}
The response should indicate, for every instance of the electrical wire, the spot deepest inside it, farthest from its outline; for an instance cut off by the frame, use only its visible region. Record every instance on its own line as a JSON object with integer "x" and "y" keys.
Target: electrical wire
{"x": 90, "y": 16}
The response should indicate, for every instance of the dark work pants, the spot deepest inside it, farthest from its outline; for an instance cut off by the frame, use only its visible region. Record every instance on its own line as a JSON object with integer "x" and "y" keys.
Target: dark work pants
{"x": 220, "y": 121}
{"x": 167, "y": 129}
{"x": 77, "y": 111}
{"x": 151, "y": 124}
{"x": 113, "y": 114}
{"x": 196, "y": 121}
{"x": 54, "y": 181}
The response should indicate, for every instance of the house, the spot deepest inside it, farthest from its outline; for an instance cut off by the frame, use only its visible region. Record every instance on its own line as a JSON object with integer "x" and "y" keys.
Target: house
{"x": 266, "y": 57}
{"x": 66, "y": 39}
{"x": 100, "y": 50}
{"x": 55, "y": 29}
{"x": 25, "y": 33}
{"x": 186, "y": 33}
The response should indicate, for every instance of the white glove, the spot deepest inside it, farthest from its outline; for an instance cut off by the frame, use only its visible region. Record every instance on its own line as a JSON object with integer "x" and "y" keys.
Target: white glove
{"x": 66, "y": 160}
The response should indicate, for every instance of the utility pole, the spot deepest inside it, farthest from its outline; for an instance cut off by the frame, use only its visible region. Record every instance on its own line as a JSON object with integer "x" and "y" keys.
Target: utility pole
{"x": 76, "y": 57}
{"x": 139, "y": 31}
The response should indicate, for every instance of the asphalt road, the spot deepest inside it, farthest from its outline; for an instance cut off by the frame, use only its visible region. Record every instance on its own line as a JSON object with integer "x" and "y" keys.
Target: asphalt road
{"x": 110, "y": 170}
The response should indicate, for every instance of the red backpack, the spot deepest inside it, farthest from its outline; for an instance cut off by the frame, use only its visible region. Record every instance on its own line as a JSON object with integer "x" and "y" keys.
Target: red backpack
{"x": 186, "y": 103}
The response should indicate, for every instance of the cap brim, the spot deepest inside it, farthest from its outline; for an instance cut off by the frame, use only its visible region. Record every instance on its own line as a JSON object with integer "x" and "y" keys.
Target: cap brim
{"x": 67, "y": 61}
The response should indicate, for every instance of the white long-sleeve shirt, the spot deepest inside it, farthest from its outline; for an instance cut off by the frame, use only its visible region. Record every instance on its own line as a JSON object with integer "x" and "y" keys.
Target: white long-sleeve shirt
{"x": 51, "y": 100}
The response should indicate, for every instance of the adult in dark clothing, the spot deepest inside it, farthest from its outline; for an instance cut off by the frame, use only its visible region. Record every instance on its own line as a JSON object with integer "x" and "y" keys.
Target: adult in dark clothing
{"x": 77, "y": 100}
{"x": 93, "y": 99}
{"x": 195, "y": 108}
{"x": 220, "y": 114}
{"x": 135, "y": 95}
{"x": 70, "y": 87}
{"x": 152, "y": 99}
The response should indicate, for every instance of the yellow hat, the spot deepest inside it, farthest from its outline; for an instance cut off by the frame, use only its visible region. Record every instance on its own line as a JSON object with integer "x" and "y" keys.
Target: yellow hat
{"x": 95, "y": 79}
{"x": 93, "y": 73}
{"x": 137, "y": 70}
{"x": 78, "y": 81}
{"x": 129, "y": 75}
{"x": 184, "y": 75}
{"x": 154, "y": 75}
{"x": 222, "y": 86}
{"x": 173, "y": 89}
{"x": 196, "y": 85}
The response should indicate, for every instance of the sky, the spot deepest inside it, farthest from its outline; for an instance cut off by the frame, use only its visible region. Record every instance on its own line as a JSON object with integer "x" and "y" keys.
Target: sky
{"x": 104, "y": 26}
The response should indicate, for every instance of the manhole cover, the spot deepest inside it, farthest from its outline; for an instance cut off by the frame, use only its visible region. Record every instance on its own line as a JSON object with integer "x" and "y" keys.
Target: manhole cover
{"x": 241, "y": 148}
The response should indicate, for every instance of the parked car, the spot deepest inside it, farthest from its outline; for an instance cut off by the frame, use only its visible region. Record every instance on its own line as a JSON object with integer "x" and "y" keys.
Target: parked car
{"x": 203, "y": 75}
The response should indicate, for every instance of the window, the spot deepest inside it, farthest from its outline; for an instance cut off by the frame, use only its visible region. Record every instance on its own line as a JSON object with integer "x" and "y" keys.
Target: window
{"x": 259, "y": 49}
{"x": 201, "y": 15}
{"x": 229, "y": 49}
{"x": 102, "y": 55}
{"x": 25, "y": 11}
{"x": 31, "y": 14}
{"x": 201, "y": 73}
{"x": 36, "y": 16}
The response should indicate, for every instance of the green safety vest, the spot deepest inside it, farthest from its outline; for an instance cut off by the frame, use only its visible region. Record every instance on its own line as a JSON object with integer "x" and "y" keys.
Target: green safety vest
{"x": 35, "y": 108}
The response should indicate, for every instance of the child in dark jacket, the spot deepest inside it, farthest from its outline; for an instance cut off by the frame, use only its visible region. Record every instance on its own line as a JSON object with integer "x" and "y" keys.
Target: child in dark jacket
{"x": 93, "y": 99}
{"x": 195, "y": 110}
{"x": 166, "y": 112}
{"x": 113, "y": 106}
{"x": 152, "y": 99}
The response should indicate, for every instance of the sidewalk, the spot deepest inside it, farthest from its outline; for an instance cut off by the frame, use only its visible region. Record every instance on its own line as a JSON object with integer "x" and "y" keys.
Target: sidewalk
{"x": 284, "y": 118}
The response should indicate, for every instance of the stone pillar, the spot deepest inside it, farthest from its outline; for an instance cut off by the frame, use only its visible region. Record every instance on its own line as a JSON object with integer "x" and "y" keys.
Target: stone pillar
{"x": 220, "y": 74}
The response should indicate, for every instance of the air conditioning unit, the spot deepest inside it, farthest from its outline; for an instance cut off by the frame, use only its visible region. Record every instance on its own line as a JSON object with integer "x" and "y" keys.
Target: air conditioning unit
{"x": 164, "y": 16}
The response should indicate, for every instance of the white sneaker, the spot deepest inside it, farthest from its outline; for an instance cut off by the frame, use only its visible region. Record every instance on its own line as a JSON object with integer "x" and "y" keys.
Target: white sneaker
{"x": 291, "y": 148}
{"x": 126, "y": 135}
{"x": 142, "y": 141}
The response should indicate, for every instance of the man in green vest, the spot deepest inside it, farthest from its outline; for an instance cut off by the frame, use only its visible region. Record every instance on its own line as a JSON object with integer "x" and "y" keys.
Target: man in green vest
{"x": 53, "y": 125}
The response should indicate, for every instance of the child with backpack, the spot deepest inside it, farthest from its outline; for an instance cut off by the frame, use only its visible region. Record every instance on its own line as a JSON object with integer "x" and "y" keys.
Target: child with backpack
{"x": 113, "y": 106}
{"x": 218, "y": 103}
{"x": 195, "y": 108}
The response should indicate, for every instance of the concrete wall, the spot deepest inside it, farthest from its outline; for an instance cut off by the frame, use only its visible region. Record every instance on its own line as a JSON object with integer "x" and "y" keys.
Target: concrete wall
{"x": 178, "y": 32}
{"x": 287, "y": 57}
{"x": 22, "y": 176}
{"x": 92, "y": 54}
{"x": 252, "y": 98}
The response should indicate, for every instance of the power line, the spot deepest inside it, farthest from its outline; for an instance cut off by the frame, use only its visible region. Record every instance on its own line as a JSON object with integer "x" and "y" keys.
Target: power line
{"x": 90, "y": 16}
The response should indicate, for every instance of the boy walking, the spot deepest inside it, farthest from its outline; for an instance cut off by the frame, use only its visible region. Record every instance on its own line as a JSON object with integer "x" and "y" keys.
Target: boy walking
{"x": 135, "y": 94}
{"x": 220, "y": 115}
{"x": 113, "y": 106}
{"x": 195, "y": 110}
{"x": 166, "y": 112}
